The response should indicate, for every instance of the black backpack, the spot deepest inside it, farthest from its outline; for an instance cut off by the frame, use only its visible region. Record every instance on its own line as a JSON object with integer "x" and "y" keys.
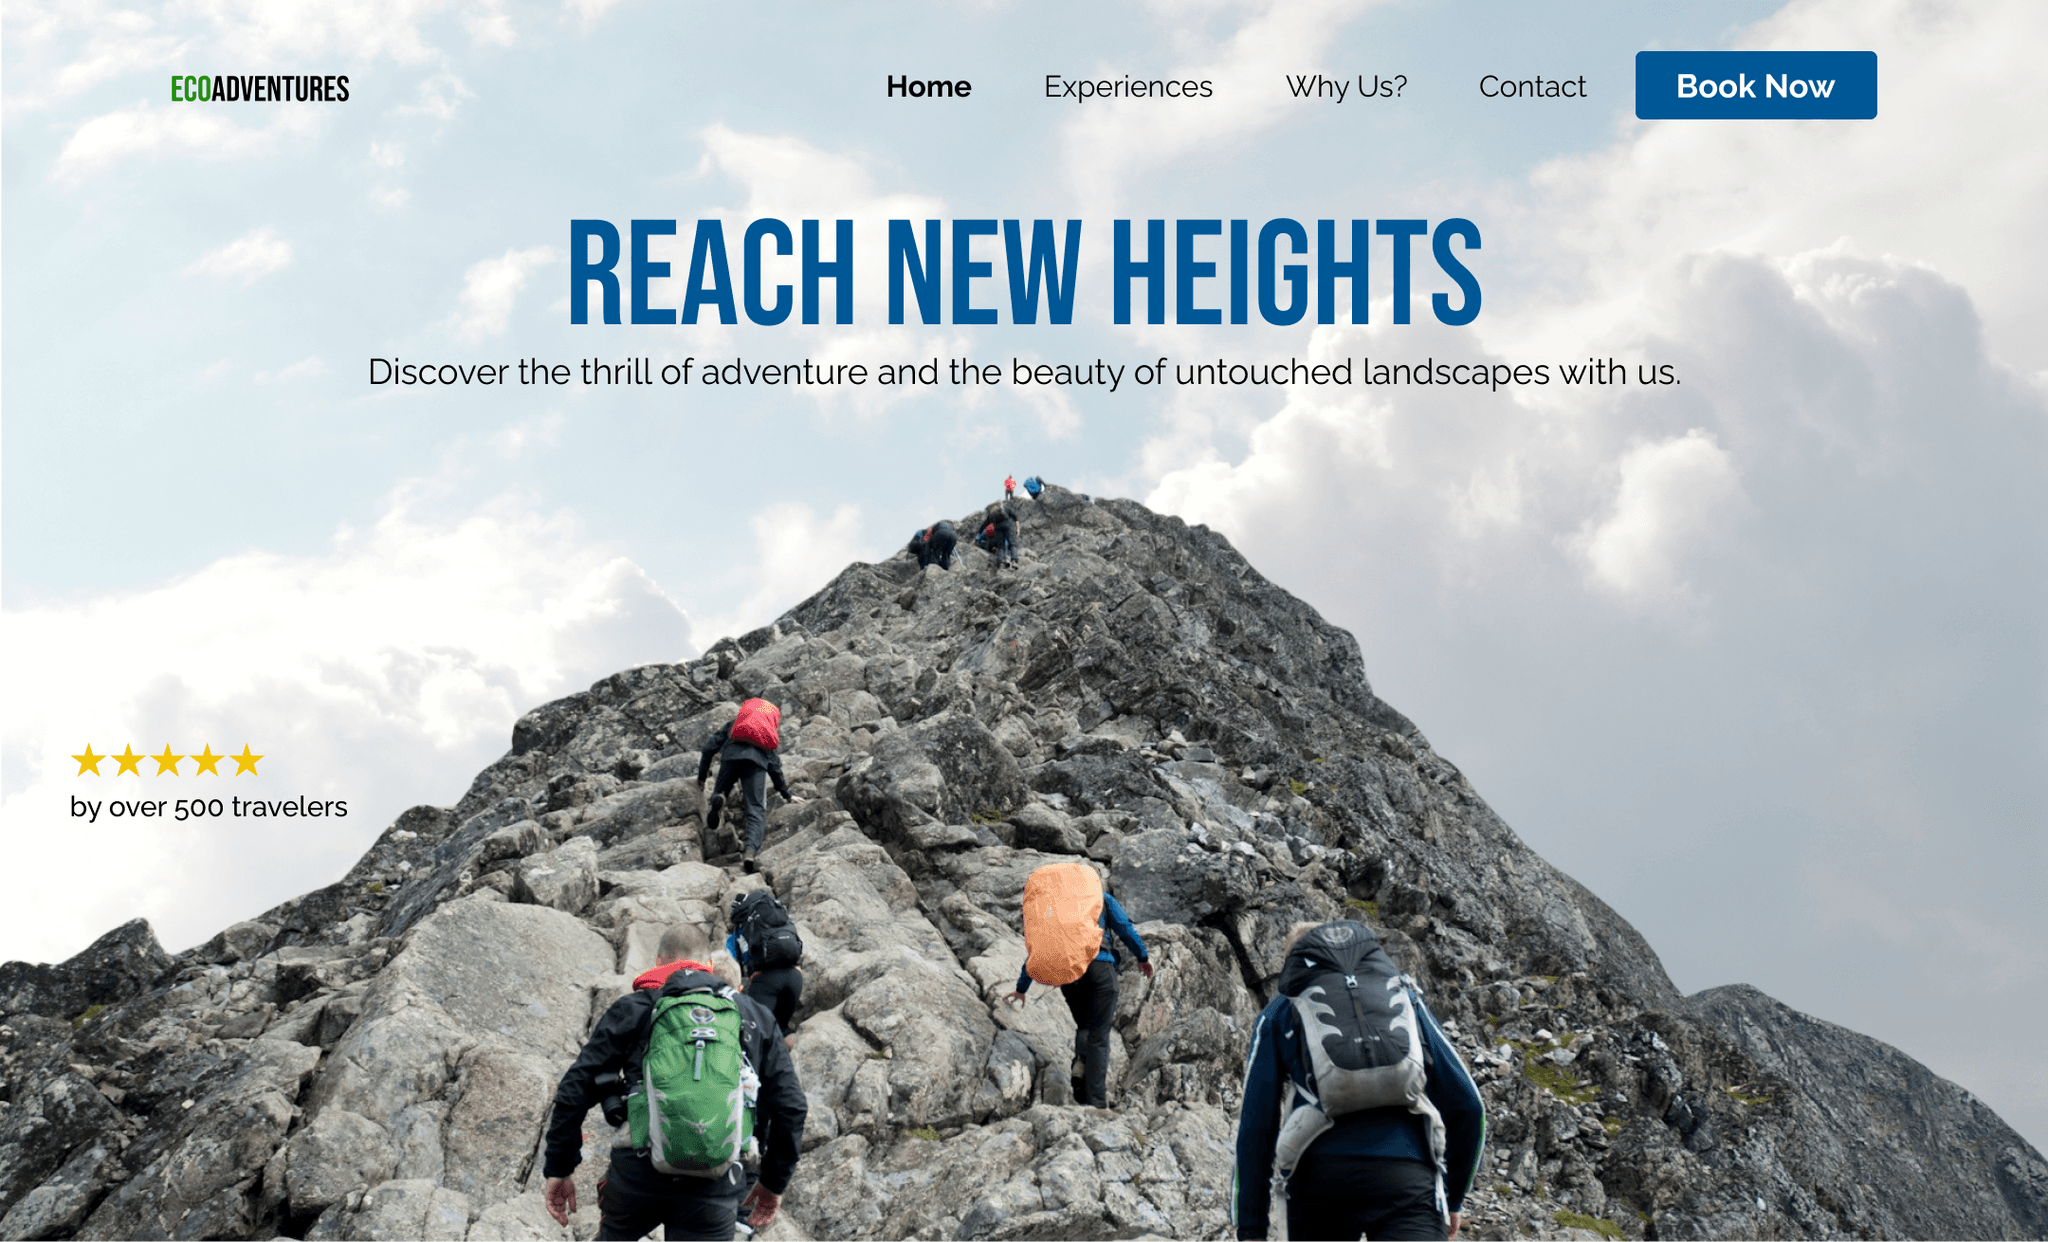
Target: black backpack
{"x": 1360, "y": 1021}
{"x": 766, "y": 938}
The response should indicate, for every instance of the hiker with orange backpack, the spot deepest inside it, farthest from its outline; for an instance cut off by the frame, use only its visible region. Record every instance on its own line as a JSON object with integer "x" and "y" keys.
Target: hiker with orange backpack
{"x": 1068, "y": 921}
{"x": 745, "y": 750}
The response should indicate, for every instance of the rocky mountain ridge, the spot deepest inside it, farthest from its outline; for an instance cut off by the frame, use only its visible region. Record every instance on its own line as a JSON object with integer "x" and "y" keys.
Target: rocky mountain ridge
{"x": 375, "y": 1059}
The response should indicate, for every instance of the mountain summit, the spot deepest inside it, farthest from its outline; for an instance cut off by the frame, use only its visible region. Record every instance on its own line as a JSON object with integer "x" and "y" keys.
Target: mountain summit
{"x": 376, "y": 1059}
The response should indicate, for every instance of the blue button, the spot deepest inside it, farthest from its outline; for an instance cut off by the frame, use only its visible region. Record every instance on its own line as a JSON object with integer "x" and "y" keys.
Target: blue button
{"x": 1839, "y": 86}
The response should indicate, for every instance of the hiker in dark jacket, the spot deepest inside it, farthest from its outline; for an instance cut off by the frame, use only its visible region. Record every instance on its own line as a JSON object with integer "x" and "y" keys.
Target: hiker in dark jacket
{"x": 937, "y": 549}
{"x": 1373, "y": 1172}
{"x": 917, "y": 548}
{"x": 778, "y": 988}
{"x": 751, "y": 768}
{"x": 1002, "y": 521}
{"x": 634, "y": 1197}
{"x": 1092, "y": 1000}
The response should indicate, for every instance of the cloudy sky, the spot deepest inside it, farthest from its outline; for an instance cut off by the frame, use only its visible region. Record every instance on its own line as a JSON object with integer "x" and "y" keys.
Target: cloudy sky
{"x": 1758, "y": 656}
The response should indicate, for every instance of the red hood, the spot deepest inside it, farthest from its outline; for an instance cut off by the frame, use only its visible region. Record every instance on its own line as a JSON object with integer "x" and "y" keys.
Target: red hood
{"x": 659, "y": 975}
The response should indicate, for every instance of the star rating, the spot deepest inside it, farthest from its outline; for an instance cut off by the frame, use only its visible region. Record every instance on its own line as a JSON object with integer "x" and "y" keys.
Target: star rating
{"x": 205, "y": 762}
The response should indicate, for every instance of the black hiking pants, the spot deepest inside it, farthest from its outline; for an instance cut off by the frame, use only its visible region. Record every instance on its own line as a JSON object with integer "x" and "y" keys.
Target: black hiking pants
{"x": 779, "y": 988}
{"x": 633, "y": 1199}
{"x": 1349, "y": 1197}
{"x": 938, "y": 550}
{"x": 1092, "y": 999}
{"x": 752, "y": 779}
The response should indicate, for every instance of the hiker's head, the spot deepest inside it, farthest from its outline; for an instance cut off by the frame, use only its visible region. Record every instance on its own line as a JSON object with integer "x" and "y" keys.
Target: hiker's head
{"x": 683, "y": 942}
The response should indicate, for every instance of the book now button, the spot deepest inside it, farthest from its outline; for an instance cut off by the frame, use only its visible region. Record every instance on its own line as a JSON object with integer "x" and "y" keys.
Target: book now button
{"x": 1839, "y": 86}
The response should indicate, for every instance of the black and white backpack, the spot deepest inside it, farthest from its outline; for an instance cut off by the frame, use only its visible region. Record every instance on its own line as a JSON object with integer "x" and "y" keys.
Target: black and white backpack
{"x": 1361, "y": 1032}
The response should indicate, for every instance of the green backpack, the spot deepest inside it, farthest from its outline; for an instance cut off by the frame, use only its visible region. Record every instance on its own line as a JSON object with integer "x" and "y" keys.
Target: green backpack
{"x": 693, "y": 1111}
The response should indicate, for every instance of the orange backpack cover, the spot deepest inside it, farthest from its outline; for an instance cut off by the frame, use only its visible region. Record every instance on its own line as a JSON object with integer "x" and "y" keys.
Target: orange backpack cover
{"x": 757, "y": 723}
{"x": 1062, "y": 922}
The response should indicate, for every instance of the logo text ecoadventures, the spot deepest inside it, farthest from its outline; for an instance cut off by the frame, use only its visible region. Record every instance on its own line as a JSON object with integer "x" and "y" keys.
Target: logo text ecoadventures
{"x": 259, "y": 88}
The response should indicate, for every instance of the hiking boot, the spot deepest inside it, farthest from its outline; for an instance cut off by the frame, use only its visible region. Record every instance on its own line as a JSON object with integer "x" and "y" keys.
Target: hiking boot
{"x": 717, "y": 805}
{"x": 751, "y": 863}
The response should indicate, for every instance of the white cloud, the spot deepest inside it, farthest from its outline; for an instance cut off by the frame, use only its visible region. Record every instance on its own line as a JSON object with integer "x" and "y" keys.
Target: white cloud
{"x": 390, "y": 197}
{"x": 490, "y": 288}
{"x": 588, "y": 12}
{"x": 146, "y": 130}
{"x": 383, "y": 671}
{"x": 268, "y": 30}
{"x": 387, "y": 154}
{"x": 1892, "y": 185}
{"x": 439, "y": 97}
{"x": 795, "y": 553}
{"x": 1673, "y": 494}
{"x": 58, "y": 52}
{"x": 250, "y": 257}
{"x": 304, "y": 368}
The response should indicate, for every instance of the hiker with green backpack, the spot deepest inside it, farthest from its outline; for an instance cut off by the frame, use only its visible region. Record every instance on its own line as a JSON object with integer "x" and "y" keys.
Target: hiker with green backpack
{"x": 683, "y": 1065}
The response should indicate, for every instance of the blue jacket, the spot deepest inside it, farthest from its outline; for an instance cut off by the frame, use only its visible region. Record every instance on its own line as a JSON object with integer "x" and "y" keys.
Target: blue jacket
{"x": 1113, "y": 920}
{"x": 1276, "y": 1055}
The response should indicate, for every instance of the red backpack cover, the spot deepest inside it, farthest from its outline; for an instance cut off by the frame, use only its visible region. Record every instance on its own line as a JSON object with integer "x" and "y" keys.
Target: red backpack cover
{"x": 757, "y": 723}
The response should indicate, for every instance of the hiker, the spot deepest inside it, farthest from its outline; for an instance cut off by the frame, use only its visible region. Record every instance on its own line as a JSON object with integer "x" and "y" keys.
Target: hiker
{"x": 937, "y": 547}
{"x": 1002, "y": 533}
{"x": 1068, "y": 921}
{"x": 745, "y": 750}
{"x": 917, "y": 547}
{"x": 1009, "y": 486}
{"x": 1385, "y": 1150}
{"x": 678, "y": 1166}
{"x": 768, "y": 949}
{"x": 1033, "y": 486}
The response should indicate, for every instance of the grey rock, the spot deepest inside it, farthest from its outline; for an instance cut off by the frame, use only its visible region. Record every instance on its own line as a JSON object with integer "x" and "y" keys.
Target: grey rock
{"x": 564, "y": 879}
{"x": 118, "y": 965}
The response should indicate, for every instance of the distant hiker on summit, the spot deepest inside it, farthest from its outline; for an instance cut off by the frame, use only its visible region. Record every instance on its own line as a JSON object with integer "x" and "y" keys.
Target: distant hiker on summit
{"x": 1033, "y": 486}
{"x": 1068, "y": 920}
{"x": 745, "y": 750}
{"x": 1355, "y": 1105}
{"x": 1009, "y": 486}
{"x": 934, "y": 545}
{"x": 669, "y": 1062}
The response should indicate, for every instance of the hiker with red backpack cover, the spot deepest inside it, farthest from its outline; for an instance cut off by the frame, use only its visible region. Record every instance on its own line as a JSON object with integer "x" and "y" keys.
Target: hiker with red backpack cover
{"x": 1066, "y": 916}
{"x": 1357, "y": 1113}
{"x": 745, "y": 750}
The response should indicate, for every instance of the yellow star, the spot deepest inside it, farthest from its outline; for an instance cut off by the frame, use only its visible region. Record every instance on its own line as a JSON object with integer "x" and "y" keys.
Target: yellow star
{"x": 244, "y": 762}
{"x": 167, "y": 762}
{"x": 207, "y": 760}
{"x": 128, "y": 760}
{"x": 88, "y": 762}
